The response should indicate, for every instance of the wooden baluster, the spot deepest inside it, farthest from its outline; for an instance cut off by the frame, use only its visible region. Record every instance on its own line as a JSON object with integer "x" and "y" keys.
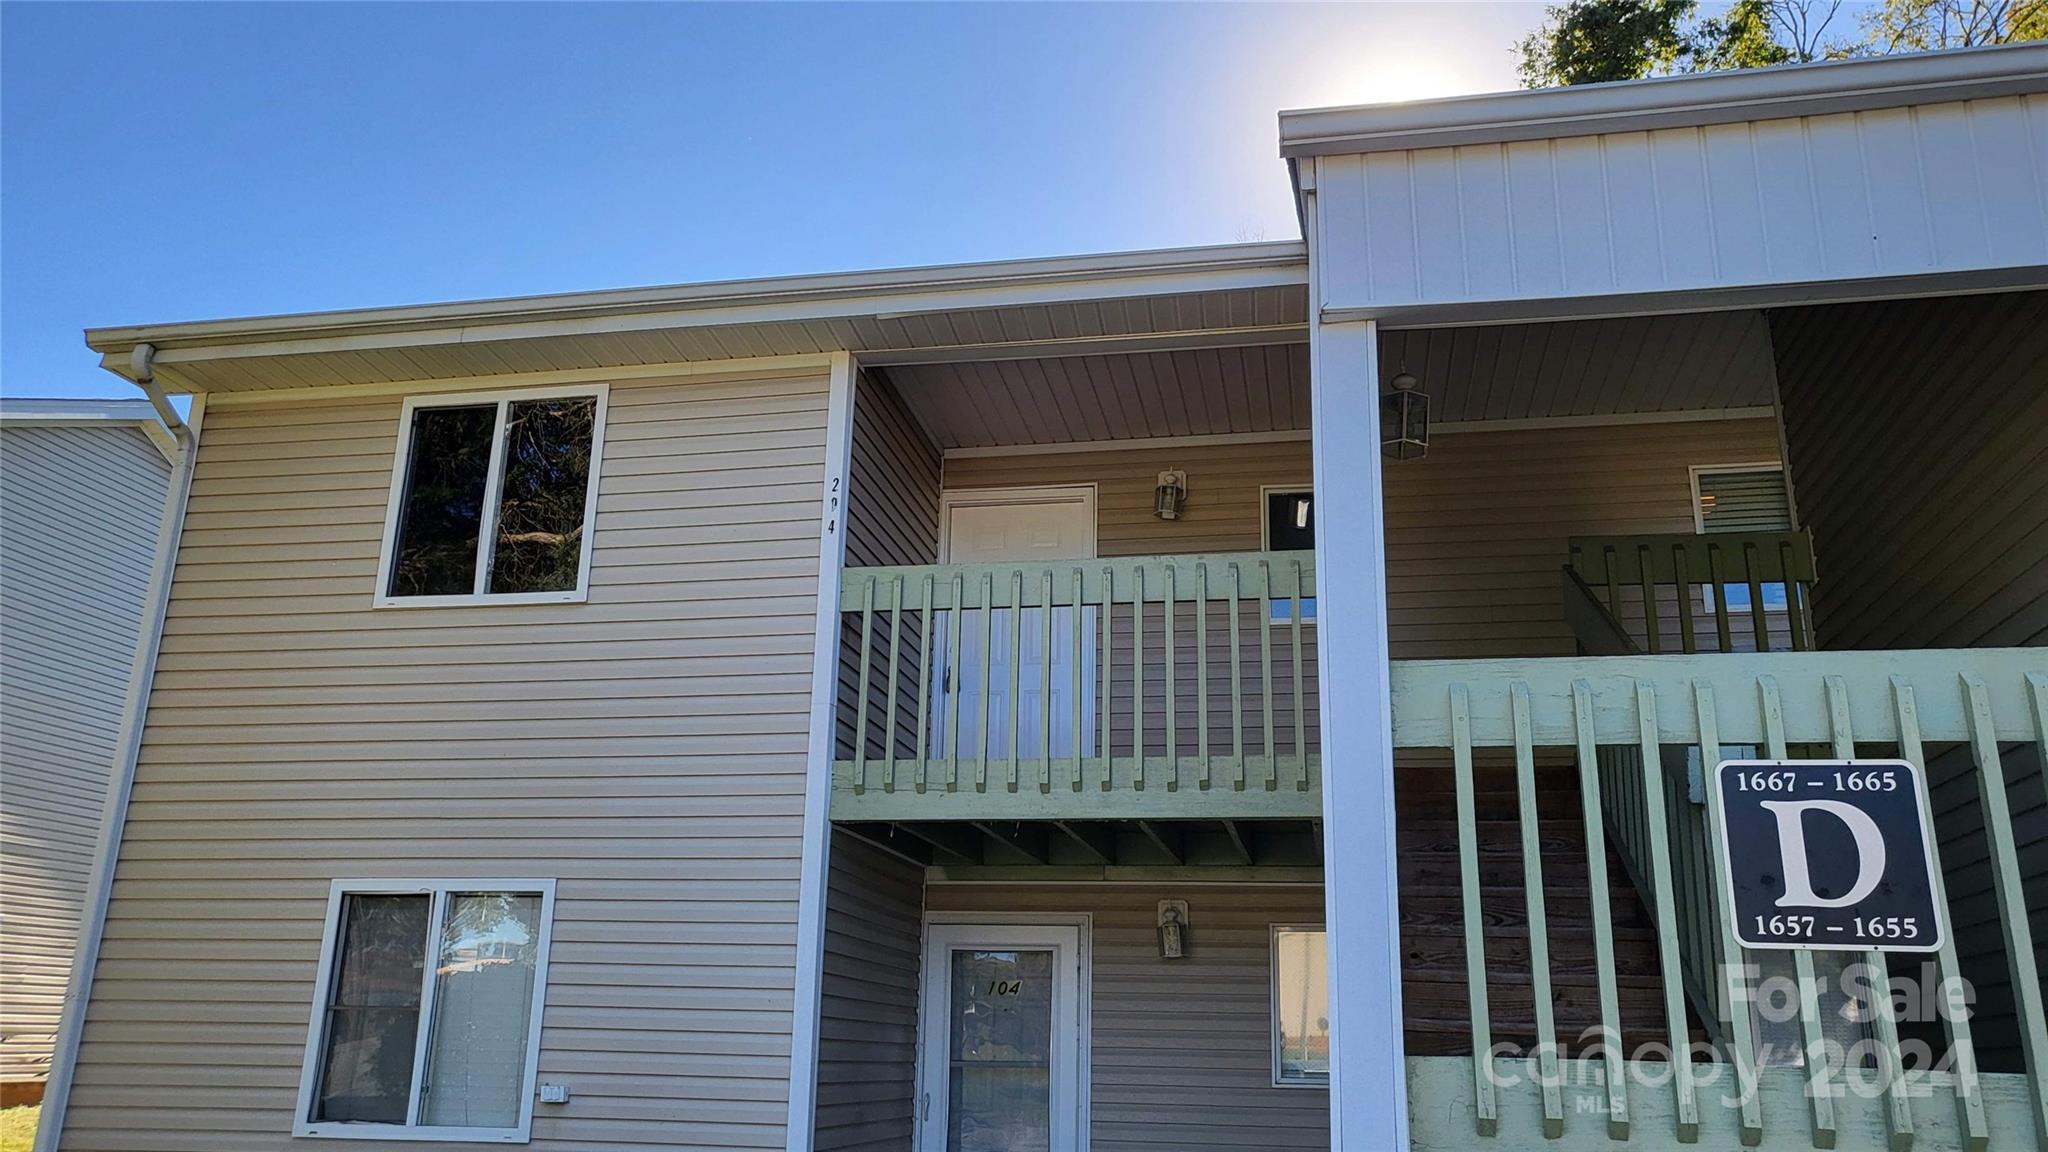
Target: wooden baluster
{"x": 1657, "y": 828}
{"x": 867, "y": 655}
{"x": 1890, "y": 1069}
{"x": 1266, "y": 673}
{"x": 1819, "y": 1090}
{"x": 1045, "y": 684}
{"x": 1105, "y": 722}
{"x": 2009, "y": 883}
{"x": 1539, "y": 923}
{"x": 889, "y": 716}
{"x": 1652, "y": 627}
{"x": 1138, "y": 676}
{"x": 1169, "y": 615}
{"x": 1202, "y": 671}
{"x": 1013, "y": 709}
{"x": 1076, "y": 691}
{"x": 1720, "y": 585}
{"x": 924, "y": 693}
{"x": 1759, "y": 620}
{"x": 956, "y": 624}
{"x": 1610, "y": 559}
{"x": 1795, "y": 611}
{"x": 1602, "y": 909}
{"x": 1734, "y": 961}
{"x": 1687, "y": 641}
{"x": 1483, "y": 1104}
{"x": 1237, "y": 674}
{"x": 1300, "y": 704}
{"x": 1955, "y": 1011}
{"x": 988, "y": 646}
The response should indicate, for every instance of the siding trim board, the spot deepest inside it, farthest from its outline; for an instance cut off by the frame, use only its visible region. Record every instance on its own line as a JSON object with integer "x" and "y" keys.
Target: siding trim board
{"x": 815, "y": 866}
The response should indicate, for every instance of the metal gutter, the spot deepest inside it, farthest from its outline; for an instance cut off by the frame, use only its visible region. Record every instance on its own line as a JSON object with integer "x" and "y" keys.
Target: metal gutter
{"x": 1669, "y": 101}
{"x": 1223, "y": 261}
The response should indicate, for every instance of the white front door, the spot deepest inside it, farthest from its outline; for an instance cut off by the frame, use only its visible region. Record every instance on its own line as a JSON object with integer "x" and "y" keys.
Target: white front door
{"x": 999, "y": 1047}
{"x": 1026, "y": 525}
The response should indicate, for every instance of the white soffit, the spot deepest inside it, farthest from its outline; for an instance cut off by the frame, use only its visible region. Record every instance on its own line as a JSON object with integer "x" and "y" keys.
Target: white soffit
{"x": 1225, "y": 294}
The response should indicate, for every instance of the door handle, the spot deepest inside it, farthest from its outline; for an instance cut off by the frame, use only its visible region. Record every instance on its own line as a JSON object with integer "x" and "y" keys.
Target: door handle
{"x": 924, "y": 1107}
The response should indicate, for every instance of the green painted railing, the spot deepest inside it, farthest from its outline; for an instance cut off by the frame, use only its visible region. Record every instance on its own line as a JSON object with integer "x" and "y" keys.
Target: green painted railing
{"x": 1677, "y": 587}
{"x": 1961, "y": 715}
{"x": 1152, "y": 687}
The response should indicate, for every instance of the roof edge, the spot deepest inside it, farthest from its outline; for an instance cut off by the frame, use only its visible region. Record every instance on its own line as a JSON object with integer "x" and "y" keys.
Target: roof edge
{"x": 718, "y": 293}
{"x": 70, "y": 410}
{"x": 1669, "y": 101}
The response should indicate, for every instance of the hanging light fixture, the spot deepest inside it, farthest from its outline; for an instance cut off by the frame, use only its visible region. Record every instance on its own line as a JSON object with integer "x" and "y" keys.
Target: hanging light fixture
{"x": 1171, "y": 495}
{"x": 1404, "y": 418}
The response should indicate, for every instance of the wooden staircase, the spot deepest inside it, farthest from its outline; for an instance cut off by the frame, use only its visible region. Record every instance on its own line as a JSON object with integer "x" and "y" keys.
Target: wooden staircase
{"x": 1432, "y": 930}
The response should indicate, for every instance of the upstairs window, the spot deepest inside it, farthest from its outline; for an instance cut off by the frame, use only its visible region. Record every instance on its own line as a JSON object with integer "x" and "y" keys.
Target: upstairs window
{"x": 1290, "y": 527}
{"x": 1741, "y": 498}
{"x": 493, "y": 498}
{"x": 426, "y": 1015}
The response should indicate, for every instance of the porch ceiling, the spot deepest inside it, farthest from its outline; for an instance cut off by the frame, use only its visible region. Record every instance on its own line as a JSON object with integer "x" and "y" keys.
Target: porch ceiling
{"x": 1069, "y": 844}
{"x": 1606, "y": 367}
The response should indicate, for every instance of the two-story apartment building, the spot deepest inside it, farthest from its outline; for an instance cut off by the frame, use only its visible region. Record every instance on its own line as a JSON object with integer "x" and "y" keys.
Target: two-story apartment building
{"x": 1086, "y": 703}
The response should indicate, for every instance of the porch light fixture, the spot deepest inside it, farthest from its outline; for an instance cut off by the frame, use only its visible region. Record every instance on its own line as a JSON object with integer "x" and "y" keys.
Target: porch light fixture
{"x": 1173, "y": 929}
{"x": 1171, "y": 495}
{"x": 1404, "y": 419}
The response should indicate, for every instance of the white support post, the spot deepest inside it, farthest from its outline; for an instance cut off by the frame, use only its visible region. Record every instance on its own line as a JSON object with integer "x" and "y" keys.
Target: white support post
{"x": 815, "y": 866}
{"x": 1368, "y": 1067}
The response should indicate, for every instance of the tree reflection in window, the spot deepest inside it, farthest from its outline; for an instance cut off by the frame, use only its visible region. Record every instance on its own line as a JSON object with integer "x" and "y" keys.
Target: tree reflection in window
{"x": 539, "y": 540}
{"x": 444, "y": 501}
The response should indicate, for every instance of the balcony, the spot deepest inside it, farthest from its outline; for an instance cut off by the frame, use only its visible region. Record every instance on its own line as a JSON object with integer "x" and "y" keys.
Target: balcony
{"x": 1154, "y": 688}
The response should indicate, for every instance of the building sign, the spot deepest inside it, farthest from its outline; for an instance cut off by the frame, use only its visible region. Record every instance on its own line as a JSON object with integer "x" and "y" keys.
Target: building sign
{"x": 1828, "y": 854}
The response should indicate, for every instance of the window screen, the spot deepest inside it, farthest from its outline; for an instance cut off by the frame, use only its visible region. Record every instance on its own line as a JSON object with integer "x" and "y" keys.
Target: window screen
{"x": 1749, "y": 501}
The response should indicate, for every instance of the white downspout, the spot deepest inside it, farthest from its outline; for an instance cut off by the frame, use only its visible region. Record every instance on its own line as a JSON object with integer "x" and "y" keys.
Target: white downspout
{"x": 114, "y": 813}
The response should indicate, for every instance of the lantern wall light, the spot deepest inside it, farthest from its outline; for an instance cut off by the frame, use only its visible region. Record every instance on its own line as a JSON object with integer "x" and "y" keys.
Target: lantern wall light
{"x": 1404, "y": 418}
{"x": 1171, "y": 496}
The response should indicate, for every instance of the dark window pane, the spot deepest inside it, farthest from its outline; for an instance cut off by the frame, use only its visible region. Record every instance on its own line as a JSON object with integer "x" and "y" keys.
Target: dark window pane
{"x": 373, "y": 1011}
{"x": 540, "y": 511}
{"x": 1290, "y": 521}
{"x": 443, "y": 508}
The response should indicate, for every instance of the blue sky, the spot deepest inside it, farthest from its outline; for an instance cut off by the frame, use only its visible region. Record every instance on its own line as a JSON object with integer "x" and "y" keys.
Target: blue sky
{"x": 188, "y": 161}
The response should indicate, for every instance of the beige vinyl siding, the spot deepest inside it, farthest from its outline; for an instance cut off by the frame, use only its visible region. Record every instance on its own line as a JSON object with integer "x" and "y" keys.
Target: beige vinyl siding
{"x": 1476, "y": 532}
{"x": 1223, "y": 514}
{"x": 867, "y": 1042}
{"x": 79, "y": 513}
{"x": 647, "y": 749}
{"x": 1182, "y": 1049}
{"x": 1918, "y": 437}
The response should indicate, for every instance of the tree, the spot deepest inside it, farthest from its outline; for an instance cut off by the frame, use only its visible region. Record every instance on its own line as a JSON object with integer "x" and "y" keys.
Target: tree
{"x": 1589, "y": 41}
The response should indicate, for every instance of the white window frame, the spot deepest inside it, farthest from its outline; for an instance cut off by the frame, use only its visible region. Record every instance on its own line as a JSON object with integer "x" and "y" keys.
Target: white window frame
{"x": 401, "y": 468}
{"x": 1693, "y": 474}
{"x": 316, "y": 1031}
{"x": 1273, "y": 1001}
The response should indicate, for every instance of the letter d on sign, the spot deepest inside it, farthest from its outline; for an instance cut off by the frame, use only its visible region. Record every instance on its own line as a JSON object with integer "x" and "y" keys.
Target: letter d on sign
{"x": 1799, "y": 891}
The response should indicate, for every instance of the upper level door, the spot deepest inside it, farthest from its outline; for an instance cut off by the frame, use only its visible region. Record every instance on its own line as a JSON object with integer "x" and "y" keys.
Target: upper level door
{"x": 1032, "y": 526}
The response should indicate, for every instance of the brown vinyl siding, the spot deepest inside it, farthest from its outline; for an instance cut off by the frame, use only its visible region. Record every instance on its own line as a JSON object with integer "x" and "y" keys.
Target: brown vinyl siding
{"x": 1182, "y": 1049}
{"x": 1476, "y": 533}
{"x": 867, "y": 1040}
{"x": 1918, "y": 438}
{"x": 647, "y": 749}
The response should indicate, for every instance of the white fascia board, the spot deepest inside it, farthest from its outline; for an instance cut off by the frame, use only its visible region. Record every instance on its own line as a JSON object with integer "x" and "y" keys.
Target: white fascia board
{"x": 1669, "y": 101}
{"x": 892, "y": 292}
